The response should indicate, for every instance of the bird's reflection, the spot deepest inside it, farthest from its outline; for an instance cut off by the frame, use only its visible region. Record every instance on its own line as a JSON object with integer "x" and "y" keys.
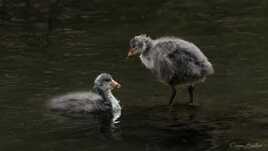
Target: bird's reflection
{"x": 108, "y": 127}
{"x": 77, "y": 126}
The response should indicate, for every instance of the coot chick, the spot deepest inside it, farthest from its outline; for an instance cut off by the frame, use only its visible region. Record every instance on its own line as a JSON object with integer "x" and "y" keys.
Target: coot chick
{"x": 100, "y": 99}
{"x": 174, "y": 61}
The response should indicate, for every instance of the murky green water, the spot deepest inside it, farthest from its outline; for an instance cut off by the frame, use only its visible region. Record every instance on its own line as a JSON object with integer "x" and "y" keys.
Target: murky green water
{"x": 233, "y": 113}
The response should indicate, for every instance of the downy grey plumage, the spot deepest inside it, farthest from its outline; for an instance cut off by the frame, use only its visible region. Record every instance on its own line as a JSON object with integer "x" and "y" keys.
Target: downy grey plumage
{"x": 174, "y": 61}
{"x": 100, "y": 99}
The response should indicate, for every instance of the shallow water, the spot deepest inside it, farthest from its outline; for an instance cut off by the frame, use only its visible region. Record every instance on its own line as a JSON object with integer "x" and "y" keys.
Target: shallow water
{"x": 233, "y": 112}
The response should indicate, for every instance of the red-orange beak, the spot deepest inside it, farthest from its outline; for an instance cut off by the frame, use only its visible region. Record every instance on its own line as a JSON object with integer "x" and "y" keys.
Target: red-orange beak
{"x": 115, "y": 84}
{"x": 131, "y": 52}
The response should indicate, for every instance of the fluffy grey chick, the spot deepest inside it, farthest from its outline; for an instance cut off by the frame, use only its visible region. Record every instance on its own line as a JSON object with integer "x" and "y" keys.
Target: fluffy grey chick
{"x": 100, "y": 99}
{"x": 174, "y": 61}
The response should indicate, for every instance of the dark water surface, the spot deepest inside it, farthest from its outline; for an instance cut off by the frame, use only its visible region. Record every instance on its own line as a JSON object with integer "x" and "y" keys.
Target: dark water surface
{"x": 233, "y": 114}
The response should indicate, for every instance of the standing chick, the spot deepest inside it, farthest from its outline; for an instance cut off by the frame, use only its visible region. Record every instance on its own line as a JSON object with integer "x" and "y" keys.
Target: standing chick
{"x": 174, "y": 61}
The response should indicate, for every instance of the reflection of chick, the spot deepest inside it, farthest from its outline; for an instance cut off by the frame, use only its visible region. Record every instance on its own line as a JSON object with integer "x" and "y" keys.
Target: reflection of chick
{"x": 101, "y": 100}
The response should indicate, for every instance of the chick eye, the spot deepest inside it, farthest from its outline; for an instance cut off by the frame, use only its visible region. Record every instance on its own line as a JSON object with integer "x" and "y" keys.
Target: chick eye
{"x": 107, "y": 80}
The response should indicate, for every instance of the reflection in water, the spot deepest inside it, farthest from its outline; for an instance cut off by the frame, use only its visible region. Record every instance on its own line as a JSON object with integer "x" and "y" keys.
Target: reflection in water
{"x": 164, "y": 130}
{"x": 92, "y": 37}
{"x": 86, "y": 123}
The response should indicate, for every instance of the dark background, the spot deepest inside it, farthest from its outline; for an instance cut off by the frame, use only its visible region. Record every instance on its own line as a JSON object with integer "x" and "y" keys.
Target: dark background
{"x": 52, "y": 47}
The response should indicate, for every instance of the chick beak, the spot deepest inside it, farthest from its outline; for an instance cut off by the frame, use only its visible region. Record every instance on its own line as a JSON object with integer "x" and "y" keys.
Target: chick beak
{"x": 115, "y": 84}
{"x": 130, "y": 52}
